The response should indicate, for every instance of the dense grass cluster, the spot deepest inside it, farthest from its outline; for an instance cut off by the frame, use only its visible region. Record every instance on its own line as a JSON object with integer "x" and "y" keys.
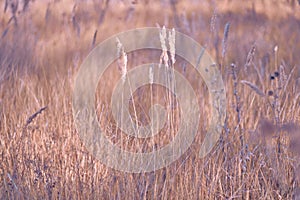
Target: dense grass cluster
{"x": 257, "y": 50}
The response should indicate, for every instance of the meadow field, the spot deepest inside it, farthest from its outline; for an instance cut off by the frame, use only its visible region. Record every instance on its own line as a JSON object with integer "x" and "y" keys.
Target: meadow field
{"x": 256, "y": 45}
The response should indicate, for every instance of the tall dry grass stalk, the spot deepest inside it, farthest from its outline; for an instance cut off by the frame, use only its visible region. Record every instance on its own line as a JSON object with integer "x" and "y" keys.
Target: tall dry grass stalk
{"x": 164, "y": 58}
{"x": 225, "y": 39}
{"x": 254, "y": 88}
{"x": 122, "y": 60}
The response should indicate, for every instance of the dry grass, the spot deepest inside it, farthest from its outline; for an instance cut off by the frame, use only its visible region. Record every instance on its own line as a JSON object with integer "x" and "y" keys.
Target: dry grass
{"x": 42, "y": 47}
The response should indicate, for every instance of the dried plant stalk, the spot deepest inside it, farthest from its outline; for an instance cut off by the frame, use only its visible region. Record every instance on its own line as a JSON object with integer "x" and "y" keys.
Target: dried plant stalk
{"x": 122, "y": 61}
{"x": 31, "y": 118}
{"x": 254, "y": 88}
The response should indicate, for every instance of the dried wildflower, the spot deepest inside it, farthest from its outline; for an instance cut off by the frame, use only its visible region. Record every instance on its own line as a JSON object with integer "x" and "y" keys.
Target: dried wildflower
{"x": 122, "y": 60}
{"x": 164, "y": 58}
{"x": 151, "y": 74}
{"x": 213, "y": 22}
{"x": 224, "y": 42}
{"x": 172, "y": 45}
{"x": 250, "y": 57}
{"x": 283, "y": 77}
{"x": 270, "y": 93}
